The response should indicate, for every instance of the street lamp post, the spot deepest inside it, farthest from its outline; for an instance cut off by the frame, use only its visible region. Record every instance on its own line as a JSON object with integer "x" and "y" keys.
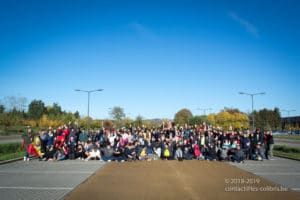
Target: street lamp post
{"x": 252, "y": 95}
{"x": 88, "y": 109}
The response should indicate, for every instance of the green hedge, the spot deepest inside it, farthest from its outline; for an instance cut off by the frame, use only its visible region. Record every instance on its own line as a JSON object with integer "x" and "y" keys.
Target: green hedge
{"x": 10, "y": 148}
{"x": 286, "y": 149}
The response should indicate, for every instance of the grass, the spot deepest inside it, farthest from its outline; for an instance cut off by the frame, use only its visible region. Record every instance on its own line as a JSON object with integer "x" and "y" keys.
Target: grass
{"x": 289, "y": 137}
{"x": 285, "y": 151}
{"x": 9, "y": 156}
{"x": 287, "y": 155}
{"x": 10, "y": 151}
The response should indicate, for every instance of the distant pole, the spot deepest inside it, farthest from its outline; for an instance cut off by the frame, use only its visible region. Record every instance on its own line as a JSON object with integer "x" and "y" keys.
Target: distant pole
{"x": 252, "y": 100}
{"x": 204, "y": 110}
{"x": 88, "y": 104}
{"x": 288, "y": 114}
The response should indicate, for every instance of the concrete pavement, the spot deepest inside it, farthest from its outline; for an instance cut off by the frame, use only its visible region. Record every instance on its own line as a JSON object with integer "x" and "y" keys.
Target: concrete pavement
{"x": 10, "y": 139}
{"x": 281, "y": 171}
{"x": 53, "y": 180}
{"x": 287, "y": 142}
{"x": 43, "y": 180}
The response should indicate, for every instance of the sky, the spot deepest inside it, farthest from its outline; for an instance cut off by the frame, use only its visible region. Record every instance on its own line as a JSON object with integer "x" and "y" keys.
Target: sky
{"x": 152, "y": 58}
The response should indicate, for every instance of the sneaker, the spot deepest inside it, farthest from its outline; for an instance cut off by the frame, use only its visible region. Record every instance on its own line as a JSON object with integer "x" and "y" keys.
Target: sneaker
{"x": 25, "y": 159}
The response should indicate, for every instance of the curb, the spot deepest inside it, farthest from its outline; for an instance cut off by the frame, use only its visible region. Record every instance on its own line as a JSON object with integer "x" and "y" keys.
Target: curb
{"x": 286, "y": 157}
{"x": 14, "y": 160}
{"x": 10, "y": 161}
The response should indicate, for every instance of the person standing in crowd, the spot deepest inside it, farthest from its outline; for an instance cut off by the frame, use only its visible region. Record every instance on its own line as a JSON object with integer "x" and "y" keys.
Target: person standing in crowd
{"x": 27, "y": 140}
{"x": 44, "y": 139}
{"x": 246, "y": 146}
{"x": 269, "y": 145}
{"x": 83, "y": 137}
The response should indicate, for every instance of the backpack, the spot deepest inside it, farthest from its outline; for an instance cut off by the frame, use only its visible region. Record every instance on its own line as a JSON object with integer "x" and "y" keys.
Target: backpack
{"x": 166, "y": 153}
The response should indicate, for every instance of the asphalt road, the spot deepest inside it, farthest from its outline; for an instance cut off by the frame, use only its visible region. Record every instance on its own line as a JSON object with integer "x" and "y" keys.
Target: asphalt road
{"x": 282, "y": 171}
{"x": 43, "y": 180}
{"x": 6, "y": 141}
{"x": 289, "y": 143}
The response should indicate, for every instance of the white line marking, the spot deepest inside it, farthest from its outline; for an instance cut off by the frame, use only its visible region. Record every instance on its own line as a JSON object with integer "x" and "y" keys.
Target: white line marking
{"x": 38, "y": 188}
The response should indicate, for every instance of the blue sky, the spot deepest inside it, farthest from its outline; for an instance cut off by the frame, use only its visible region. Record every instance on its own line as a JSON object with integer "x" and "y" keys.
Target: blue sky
{"x": 151, "y": 57}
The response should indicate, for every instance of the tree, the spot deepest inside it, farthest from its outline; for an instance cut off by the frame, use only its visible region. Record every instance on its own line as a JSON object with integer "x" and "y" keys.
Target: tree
{"x": 267, "y": 119}
{"x": 211, "y": 118}
{"x": 2, "y": 109}
{"x": 138, "y": 121}
{"x": 76, "y": 115}
{"x": 128, "y": 122}
{"x": 183, "y": 116}
{"x": 227, "y": 119}
{"x": 197, "y": 120}
{"x": 36, "y": 109}
{"x": 54, "y": 111}
{"x": 97, "y": 123}
{"x": 276, "y": 119}
{"x": 117, "y": 113}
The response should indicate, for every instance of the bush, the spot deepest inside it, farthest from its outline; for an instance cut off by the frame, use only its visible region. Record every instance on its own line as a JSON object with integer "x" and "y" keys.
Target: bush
{"x": 286, "y": 149}
{"x": 10, "y": 148}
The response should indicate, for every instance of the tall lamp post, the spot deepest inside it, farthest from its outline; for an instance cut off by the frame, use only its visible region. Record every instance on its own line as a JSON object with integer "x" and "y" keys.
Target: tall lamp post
{"x": 88, "y": 109}
{"x": 252, "y": 95}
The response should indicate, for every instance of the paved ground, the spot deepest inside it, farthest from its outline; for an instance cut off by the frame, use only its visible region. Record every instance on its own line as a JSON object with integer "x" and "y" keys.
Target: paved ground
{"x": 290, "y": 143}
{"x": 43, "y": 180}
{"x": 177, "y": 180}
{"x": 282, "y": 171}
{"x": 10, "y": 139}
{"x": 147, "y": 180}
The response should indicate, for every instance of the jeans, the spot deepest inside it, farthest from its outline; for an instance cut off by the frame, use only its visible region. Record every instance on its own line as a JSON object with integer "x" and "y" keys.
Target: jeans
{"x": 271, "y": 150}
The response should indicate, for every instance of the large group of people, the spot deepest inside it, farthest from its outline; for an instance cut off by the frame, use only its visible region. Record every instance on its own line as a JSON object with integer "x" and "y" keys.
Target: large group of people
{"x": 168, "y": 142}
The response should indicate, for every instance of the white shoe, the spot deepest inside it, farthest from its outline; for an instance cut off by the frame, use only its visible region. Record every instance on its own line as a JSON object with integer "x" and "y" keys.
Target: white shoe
{"x": 25, "y": 159}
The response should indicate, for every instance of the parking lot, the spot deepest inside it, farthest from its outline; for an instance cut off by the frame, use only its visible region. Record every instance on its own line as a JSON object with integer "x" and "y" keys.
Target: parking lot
{"x": 43, "y": 180}
{"x": 281, "y": 171}
{"x": 54, "y": 180}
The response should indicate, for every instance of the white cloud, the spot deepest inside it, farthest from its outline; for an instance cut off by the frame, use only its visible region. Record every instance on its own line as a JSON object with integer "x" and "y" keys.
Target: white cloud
{"x": 244, "y": 23}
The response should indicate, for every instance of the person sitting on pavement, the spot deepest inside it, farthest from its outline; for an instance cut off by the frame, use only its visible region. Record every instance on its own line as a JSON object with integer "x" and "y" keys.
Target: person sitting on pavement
{"x": 94, "y": 154}
{"x": 80, "y": 153}
{"x": 239, "y": 155}
{"x": 130, "y": 152}
{"x": 108, "y": 153}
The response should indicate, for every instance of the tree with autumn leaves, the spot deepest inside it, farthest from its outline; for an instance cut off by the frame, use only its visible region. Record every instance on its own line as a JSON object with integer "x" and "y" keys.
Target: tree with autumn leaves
{"x": 226, "y": 119}
{"x": 229, "y": 119}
